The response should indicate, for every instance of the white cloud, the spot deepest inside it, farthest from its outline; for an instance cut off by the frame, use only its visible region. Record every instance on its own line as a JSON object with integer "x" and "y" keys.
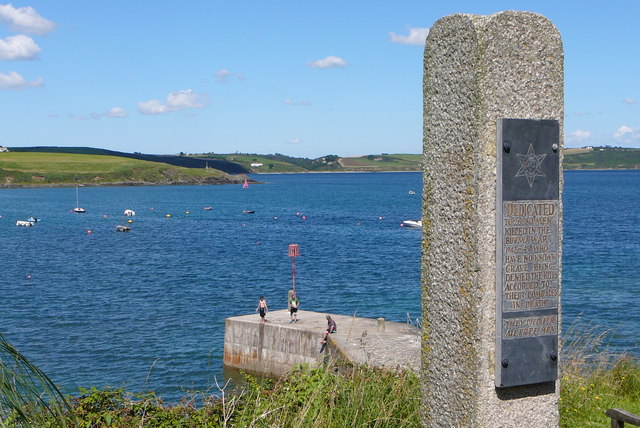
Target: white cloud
{"x": 416, "y": 36}
{"x": 177, "y": 100}
{"x": 294, "y": 141}
{"x": 223, "y": 75}
{"x": 328, "y": 62}
{"x": 25, "y": 19}
{"x": 305, "y": 103}
{"x": 627, "y": 134}
{"x": 18, "y": 47}
{"x": 116, "y": 112}
{"x": 289, "y": 102}
{"x": 629, "y": 100}
{"x": 579, "y": 135}
{"x": 16, "y": 82}
{"x": 78, "y": 116}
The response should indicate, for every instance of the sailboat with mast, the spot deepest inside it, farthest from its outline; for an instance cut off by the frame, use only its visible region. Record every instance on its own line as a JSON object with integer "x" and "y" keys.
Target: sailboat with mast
{"x": 77, "y": 209}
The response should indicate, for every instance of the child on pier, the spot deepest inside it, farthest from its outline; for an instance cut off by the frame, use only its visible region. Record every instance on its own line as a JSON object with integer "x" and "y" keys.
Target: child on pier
{"x": 263, "y": 308}
{"x": 293, "y": 307}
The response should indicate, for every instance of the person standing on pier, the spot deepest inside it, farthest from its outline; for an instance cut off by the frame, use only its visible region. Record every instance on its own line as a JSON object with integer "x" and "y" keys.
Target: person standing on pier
{"x": 293, "y": 307}
{"x": 263, "y": 308}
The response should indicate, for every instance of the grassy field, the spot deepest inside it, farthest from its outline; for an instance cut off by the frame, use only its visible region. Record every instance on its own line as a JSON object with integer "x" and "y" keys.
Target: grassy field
{"x": 602, "y": 158}
{"x": 287, "y": 164}
{"x": 38, "y": 168}
{"x": 269, "y": 164}
{"x": 395, "y": 162}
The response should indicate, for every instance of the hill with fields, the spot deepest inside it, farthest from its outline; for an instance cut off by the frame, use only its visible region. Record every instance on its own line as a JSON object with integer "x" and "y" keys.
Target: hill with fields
{"x": 279, "y": 163}
{"x": 182, "y": 161}
{"x": 47, "y": 166}
{"x": 39, "y": 168}
{"x": 602, "y": 158}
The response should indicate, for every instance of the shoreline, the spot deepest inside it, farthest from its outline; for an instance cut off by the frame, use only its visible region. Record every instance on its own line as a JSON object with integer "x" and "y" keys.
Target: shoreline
{"x": 239, "y": 181}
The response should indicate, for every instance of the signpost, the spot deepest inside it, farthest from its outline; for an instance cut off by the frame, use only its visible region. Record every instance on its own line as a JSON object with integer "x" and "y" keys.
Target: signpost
{"x": 294, "y": 251}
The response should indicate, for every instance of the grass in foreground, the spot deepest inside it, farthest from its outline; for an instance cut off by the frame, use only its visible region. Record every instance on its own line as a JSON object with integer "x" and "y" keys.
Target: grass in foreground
{"x": 592, "y": 381}
{"x": 305, "y": 398}
{"x": 27, "y": 396}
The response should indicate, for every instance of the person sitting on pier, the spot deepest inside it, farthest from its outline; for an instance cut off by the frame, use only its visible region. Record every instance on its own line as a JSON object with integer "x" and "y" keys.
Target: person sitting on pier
{"x": 331, "y": 328}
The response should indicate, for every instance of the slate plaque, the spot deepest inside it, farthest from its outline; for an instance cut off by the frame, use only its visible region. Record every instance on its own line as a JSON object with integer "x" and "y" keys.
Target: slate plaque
{"x": 528, "y": 251}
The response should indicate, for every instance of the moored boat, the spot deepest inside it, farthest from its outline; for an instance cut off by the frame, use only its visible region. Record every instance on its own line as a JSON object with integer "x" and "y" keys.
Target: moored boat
{"x": 77, "y": 209}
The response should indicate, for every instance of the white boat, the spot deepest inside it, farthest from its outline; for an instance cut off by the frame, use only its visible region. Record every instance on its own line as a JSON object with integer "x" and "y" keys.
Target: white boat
{"x": 411, "y": 223}
{"x": 24, "y": 223}
{"x": 129, "y": 213}
{"x": 77, "y": 209}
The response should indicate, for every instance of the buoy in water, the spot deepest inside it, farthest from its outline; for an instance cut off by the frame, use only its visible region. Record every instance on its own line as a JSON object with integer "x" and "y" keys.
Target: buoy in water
{"x": 89, "y": 232}
{"x": 28, "y": 276}
{"x": 168, "y": 215}
{"x": 130, "y": 221}
{"x": 187, "y": 212}
{"x": 304, "y": 217}
{"x": 104, "y": 216}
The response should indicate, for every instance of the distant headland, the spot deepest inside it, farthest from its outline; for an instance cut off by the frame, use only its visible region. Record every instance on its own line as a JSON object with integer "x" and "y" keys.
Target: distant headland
{"x": 67, "y": 166}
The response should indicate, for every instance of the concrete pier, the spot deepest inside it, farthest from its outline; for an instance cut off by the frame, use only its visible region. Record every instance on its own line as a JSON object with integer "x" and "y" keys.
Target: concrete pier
{"x": 277, "y": 346}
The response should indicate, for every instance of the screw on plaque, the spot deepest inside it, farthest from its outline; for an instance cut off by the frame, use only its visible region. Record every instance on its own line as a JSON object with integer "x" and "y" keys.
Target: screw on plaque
{"x": 555, "y": 147}
{"x": 553, "y": 355}
{"x": 505, "y": 363}
{"x": 506, "y": 146}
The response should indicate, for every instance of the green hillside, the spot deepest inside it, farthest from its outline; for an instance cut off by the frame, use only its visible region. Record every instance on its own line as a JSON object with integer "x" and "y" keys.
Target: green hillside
{"x": 279, "y": 163}
{"x": 43, "y": 169}
{"x": 602, "y": 158}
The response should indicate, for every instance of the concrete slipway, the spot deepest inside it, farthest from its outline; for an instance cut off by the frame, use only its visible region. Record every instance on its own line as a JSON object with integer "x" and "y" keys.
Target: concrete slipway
{"x": 277, "y": 346}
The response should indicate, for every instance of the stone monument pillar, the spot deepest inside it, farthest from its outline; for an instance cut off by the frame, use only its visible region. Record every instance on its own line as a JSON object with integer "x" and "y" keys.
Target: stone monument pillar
{"x": 492, "y": 221}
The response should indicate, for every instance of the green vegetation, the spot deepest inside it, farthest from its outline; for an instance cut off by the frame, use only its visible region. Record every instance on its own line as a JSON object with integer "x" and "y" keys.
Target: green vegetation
{"x": 383, "y": 162}
{"x": 27, "y": 396}
{"x": 305, "y": 398}
{"x": 279, "y": 163}
{"x": 602, "y": 158}
{"x": 40, "y": 168}
{"x": 592, "y": 381}
{"x": 72, "y": 165}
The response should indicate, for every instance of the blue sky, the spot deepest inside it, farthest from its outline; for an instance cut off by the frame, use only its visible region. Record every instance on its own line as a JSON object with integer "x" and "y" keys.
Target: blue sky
{"x": 292, "y": 77}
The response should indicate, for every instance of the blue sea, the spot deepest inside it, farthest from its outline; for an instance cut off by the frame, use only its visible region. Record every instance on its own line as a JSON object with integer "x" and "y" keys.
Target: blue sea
{"x": 146, "y": 309}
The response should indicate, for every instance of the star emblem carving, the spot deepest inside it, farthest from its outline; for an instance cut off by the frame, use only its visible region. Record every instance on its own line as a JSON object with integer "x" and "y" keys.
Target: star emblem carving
{"x": 530, "y": 165}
